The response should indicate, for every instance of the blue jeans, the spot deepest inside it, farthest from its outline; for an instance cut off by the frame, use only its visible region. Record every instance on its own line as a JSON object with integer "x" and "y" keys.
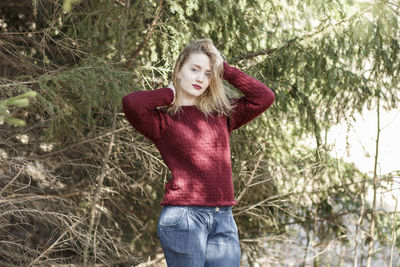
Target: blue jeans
{"x": 199, "y": 236}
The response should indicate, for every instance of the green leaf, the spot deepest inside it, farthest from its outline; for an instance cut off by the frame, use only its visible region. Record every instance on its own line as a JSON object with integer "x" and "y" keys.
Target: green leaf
{"x": 15, "y": 121}
{"x": 17, "y": 102}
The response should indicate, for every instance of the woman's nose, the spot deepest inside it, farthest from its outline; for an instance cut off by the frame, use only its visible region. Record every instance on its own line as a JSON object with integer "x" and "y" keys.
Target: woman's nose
{"x": 199, "y": 77}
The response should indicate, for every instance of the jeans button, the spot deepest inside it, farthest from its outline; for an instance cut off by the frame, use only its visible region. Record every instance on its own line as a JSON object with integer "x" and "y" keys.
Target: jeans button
{"x": 217, "y": 209}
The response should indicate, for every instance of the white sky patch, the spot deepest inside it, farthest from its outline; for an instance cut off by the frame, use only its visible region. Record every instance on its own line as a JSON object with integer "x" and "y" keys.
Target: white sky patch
{"x": 360, "y": 149}
{"x": 362, "y": 140}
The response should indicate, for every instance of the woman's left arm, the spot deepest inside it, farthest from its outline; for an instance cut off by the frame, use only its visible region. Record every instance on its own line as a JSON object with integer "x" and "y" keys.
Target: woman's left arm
{"x": 257, "y": 97}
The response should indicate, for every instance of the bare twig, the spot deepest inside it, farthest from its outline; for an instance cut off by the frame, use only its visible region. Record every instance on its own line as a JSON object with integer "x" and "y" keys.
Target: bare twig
{"x": 375, "y": 187}
{"x": 393, "y": 237}
{"x": 359, "y": 224}
{"x": 11, "y": 182}
{"x": 253, "y": 174}
{"x": 159, "y": 257}
{"x": 54, "y": 244}
{"x": 23, "y": 198}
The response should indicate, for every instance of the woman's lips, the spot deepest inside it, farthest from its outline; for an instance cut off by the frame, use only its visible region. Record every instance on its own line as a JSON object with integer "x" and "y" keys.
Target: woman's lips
{"x": 198, "y": 87}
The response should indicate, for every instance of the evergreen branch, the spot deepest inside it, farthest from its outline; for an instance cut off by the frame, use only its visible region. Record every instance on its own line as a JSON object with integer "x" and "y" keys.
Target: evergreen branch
{"x": 296, "y": 39}
{"x": 13, "y": 3}
{"x": 114, "y": 131}
{"x": 147, "y": 38}
{"x": 24, "y": 39}
{"x": 296, "y": 94}
{"x": 264, "y": 52}
{"x": 392, "y": 4}
{"x": 121, "y": 45}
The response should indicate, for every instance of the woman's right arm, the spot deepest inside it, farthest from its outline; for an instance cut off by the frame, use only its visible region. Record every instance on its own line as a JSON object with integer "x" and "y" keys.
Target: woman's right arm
{"x": 140, "y": 109}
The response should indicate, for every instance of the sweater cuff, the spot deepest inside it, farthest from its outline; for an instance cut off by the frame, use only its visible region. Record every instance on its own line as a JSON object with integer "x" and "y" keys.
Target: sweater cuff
{"x": 228, "y": 71}
{"x": 170, "y": 93}
{"x": 165, "y": 97}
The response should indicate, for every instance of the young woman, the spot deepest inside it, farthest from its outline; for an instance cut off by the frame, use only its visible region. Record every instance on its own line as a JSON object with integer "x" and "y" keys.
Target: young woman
{"x": 191, "y": 131}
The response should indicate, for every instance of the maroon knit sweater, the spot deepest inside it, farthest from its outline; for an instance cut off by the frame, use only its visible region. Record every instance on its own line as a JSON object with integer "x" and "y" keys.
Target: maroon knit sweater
{"x": 196, "y": 148}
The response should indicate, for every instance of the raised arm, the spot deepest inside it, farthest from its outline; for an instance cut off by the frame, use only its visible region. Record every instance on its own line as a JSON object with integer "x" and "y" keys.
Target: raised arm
{"x": 140, "y": 109}
{"x": 257, "y": 97}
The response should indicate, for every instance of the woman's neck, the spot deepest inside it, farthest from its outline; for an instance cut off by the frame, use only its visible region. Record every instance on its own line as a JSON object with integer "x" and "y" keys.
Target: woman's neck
{"x": 186, "y": 101}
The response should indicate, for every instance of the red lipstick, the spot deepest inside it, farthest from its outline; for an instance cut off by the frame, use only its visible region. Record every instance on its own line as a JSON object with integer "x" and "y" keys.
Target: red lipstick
{"x": 198, "y": 87}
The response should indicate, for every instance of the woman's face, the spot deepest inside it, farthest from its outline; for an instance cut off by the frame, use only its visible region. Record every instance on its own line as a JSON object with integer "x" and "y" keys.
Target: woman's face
{"x": 194, "y": 77}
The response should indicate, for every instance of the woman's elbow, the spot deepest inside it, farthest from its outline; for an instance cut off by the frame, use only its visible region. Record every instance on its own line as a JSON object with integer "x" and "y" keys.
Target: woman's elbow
{"x": 268, "y": 99}
{"x": 127, "y": 103}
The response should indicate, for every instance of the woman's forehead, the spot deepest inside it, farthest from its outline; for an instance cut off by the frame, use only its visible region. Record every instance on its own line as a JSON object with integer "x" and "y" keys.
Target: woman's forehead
{"x": 201, "y": 60}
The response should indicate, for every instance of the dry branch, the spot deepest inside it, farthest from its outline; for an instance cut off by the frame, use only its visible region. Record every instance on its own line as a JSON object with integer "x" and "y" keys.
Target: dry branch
{"x": 67, "y": 148}
{"x": 252, "y": 176}
{"x": 54, "y": 244}
{"x": 96, "y": 195}
{"x": 11, "y": 182}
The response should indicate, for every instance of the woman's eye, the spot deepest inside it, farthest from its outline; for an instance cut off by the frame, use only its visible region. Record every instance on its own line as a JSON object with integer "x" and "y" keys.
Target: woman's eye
{"x": 208, "y": 75}
{"x": 194, "y": 70}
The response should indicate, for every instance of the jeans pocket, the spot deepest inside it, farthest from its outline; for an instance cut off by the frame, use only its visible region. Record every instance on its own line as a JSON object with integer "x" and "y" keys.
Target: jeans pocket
{"x": 171, "y": 215}
{"x": 173, "y": 230}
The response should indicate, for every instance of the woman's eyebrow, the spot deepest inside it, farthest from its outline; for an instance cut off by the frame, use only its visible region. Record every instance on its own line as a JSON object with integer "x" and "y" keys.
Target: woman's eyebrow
{"x": 198, "y": 66}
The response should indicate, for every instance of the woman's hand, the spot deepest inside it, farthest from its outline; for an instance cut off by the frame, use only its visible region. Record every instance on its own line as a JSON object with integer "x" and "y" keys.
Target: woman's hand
{"x": 171, "y": 85}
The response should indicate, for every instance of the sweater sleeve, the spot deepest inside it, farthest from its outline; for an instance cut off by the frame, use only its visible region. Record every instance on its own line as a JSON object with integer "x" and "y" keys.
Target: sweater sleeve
{"x": 257, "y": 97}
{"x": 140, "y": 109}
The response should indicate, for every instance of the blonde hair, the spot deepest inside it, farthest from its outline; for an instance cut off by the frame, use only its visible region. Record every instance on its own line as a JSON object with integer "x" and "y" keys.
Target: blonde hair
{"x": 216, "y": 96}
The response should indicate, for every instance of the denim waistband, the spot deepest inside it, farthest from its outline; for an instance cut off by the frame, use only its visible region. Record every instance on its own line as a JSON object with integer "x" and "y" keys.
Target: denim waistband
{"x": 223, "y": 209}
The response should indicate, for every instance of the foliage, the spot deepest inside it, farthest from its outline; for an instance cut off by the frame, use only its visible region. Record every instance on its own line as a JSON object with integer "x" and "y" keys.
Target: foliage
{"x": 16, "y": 101}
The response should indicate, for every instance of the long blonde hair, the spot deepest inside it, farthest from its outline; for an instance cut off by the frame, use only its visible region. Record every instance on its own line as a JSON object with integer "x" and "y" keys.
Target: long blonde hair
{"x": 216, "y": 96}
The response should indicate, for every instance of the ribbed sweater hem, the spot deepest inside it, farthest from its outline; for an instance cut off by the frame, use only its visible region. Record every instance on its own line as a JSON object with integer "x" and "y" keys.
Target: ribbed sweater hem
{"x": 199, "y": 203}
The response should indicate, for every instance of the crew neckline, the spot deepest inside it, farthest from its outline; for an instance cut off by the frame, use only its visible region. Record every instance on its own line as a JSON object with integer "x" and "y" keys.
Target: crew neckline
{"x": 189, "y": 106}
